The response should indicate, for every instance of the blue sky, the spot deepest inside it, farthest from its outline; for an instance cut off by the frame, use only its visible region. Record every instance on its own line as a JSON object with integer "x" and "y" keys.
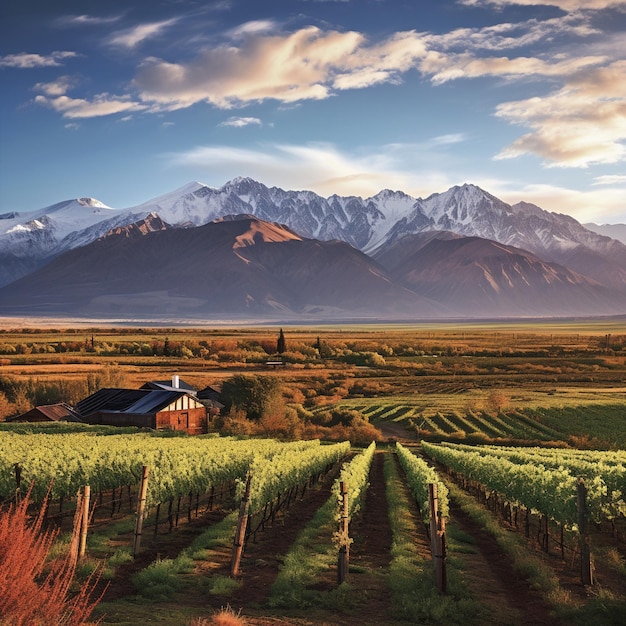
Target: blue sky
{"x": 125, "y": 101}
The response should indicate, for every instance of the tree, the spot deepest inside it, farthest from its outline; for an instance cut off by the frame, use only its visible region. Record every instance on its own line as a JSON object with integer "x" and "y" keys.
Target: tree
{"x": 281, "y": 345}
{"x": 254, "y": 395}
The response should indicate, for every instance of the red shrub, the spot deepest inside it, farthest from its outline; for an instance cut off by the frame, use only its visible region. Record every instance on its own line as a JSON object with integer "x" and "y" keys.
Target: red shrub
{"x": 34, "y": 592}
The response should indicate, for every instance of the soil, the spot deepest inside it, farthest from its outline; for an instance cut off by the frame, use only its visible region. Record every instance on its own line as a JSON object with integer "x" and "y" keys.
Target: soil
{"x": 491, "y": 578}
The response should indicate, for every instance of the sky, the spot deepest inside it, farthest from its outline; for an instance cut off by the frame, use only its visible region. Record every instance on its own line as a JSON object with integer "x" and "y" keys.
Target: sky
{"x": 125, "y": 101}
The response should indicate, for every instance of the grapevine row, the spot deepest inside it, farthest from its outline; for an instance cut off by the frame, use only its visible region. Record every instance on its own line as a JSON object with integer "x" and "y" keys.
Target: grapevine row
{"x": 178, "y": 466}
{"x": 550, "y": 492}
{"x": 419, "y": 474}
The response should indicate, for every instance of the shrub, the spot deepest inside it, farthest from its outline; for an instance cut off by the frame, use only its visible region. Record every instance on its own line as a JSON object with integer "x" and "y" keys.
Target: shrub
{"x": 33, "y": 592}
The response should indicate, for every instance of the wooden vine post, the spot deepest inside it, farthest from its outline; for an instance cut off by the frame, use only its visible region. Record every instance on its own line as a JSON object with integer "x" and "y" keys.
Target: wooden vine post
{"x": 141, "y": 508}
{"x": 586, "y": 571}
{"x": 18, "y": 481}
{"x": 437, "y": 538}
{"x": 343, "y": 556}
{"x": 84, "y": 526}
{"x": 240, "y": 533}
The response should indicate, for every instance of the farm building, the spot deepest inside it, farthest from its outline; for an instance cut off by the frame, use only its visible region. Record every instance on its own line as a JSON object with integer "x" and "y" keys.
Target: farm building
{"x": 160, "y": 409}
{"x": 48, "y": 413}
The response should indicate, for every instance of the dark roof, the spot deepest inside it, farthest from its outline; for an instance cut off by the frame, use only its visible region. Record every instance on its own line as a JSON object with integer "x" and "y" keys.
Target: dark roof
{"x": 109, "y": 400}
{"x": 53, "y": 412}
{"x": 167, "y": 384}
{"x": 155, "y": 400}
{"x": 209, "y": 392}
{"x": 128, "y": 400}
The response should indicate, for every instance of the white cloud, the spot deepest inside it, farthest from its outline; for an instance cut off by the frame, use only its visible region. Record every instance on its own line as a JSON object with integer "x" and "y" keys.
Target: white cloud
{"x": 26, "y": 60}
{"x": 102, "y": 105}
{"x": 59, "y": 87}
{"x": 240, "y": 122}
{"x": 72, "y": 126}
{"x": 132, "y": 37}
{"x": 254, "y": 27}
{"x": 566, "y": 5}
{"x": 578, "y": 125}
{"x": 609, "y": 179}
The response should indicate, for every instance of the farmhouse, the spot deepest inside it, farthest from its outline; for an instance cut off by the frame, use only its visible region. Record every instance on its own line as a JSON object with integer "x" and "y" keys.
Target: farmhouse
{"x": 160, "y": 409}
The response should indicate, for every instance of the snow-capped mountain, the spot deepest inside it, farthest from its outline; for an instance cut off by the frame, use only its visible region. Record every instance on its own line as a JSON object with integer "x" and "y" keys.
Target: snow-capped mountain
{"x": 29, "y": 240}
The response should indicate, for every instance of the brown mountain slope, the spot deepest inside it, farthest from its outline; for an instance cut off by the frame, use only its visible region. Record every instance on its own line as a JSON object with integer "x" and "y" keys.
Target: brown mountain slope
{"x": 479, "y": 277}
{"x": 233, "y": 267}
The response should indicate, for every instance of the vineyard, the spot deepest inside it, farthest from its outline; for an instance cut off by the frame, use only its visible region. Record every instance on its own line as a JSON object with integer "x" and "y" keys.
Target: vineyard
{"x": 280, "y": 528}
{"x": 494, "y": 494}
{"x": 455, "y": 420}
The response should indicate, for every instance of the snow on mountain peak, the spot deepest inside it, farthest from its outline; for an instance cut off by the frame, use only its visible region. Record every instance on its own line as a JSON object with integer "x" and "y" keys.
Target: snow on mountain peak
{"x": 91, "y": 202}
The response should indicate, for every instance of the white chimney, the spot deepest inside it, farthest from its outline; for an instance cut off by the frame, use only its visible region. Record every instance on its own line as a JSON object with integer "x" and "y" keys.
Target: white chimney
{"x": 175, "y": 381}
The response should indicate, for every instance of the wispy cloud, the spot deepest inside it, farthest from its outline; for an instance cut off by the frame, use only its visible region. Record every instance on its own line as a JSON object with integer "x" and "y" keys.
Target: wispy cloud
{"x": 326, "y": 169}
{"x": 253, "y": 27}
{"x": 132, "y": 37}
{"x": 610, "y": 179}
{"x": 87, "y": 20}
{"x": 320, "y": 167}
{"x": 566, "y": 5}
{"x": 102, "y": 105}
{"x": 25, "y": 60}
{"x": 240, "y": 122}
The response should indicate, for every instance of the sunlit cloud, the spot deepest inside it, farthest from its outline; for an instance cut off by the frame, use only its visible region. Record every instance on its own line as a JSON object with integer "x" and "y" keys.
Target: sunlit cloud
{"x": 26, "y": 60}
{"x": 285, "y": 68}
{"x": 240, "y": 122}
{"x": 326, "y": 170}
{"x": 319, "y": 167}
{"x": 132, "y": 37}
{"x": 102, "y": 105}
{"x": 599, "y": 205}
{"x": 59, "y": 87}
{"x": 578, "y": 125}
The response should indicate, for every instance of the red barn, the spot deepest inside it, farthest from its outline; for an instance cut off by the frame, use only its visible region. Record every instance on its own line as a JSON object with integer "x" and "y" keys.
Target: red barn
{"x": 159, "y": 409}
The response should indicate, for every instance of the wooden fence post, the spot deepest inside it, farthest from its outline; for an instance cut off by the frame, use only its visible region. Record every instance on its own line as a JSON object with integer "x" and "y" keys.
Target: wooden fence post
{"x": 343, "y": 557}
{"x": 85, "y": 522}
{"x": 437, "y": 538}
{"x": 240, "y": 533}
{"x": 586, "y": 573}
{"x": 78, "y": 516}
{"x": 440, "y": 555}
{"x": 141, "y": 507}
{"x": 18, "y": 481}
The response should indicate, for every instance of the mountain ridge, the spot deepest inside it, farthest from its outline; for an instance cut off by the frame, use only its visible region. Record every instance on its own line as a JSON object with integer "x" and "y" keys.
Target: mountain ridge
{"x": 241, "y": 266}
{"x": 29, "y": 241}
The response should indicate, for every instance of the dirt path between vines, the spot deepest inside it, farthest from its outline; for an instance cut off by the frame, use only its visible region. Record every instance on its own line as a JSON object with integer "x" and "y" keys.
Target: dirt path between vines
{"x": 490, "y": 576}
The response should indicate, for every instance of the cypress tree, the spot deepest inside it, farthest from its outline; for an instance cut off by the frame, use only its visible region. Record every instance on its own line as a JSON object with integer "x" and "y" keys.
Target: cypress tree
{"x": 281, "y": 345}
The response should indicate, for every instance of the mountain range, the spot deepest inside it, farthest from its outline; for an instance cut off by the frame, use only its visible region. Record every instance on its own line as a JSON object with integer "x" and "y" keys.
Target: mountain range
{"x": 247, "y": 250}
